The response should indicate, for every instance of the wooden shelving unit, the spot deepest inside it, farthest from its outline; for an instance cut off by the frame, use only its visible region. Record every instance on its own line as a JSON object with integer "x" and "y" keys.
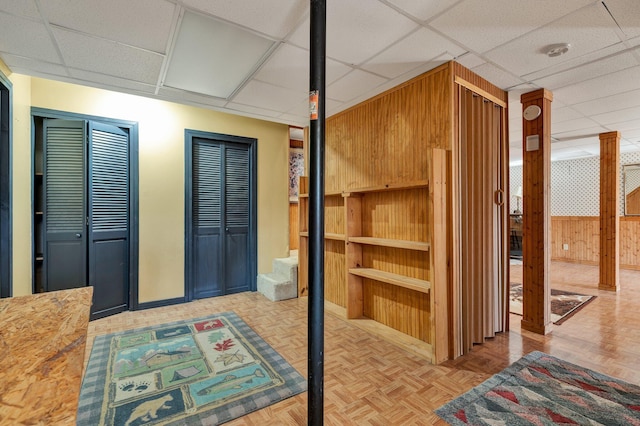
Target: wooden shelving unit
{"x": 386, "y": 233}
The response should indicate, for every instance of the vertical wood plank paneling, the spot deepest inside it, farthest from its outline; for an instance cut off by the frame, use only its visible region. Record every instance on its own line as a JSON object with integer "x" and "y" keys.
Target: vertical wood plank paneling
{"x": 536, "y": 216}
{"x": 334, "y": 266}
{"x": 353, "y": 219}
{"x": 294, "y": 226}
{"x": 582, "y": 236}
{"x": 439, "y": 297}
{"x": 609, "y": 211}
{"x": 629, "y": 242}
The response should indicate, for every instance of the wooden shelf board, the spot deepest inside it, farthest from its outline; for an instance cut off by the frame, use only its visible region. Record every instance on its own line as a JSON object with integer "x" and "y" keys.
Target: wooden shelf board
{"x": 395, "y": 337}
{"x": 326, "y": 194}
{"x": 415, "y": 284}
{"x": 386, "y": 242}
{"x": 389, "y": 187}
{"x": 327, "y": 236}
{"x": 332, "y": 236}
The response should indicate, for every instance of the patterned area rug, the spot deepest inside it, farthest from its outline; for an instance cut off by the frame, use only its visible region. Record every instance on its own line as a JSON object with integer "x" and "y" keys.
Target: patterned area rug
{"x": 564, "y": 304}
{"x": 540, "y": 389}
{"x": 205, "y": 371}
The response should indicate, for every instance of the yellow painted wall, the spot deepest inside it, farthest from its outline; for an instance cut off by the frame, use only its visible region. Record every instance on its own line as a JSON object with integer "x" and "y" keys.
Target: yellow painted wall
{"x": 21, "y": 192}
{"x": 161, "y": 176}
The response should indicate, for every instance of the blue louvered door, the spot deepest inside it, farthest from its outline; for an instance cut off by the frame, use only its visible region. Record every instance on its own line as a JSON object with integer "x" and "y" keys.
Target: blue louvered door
{"x": 236, "y": 218}
{"x": 86, "y": 211}
{"x": 108, "y": 221}
{"x": 65, "y": 253}
{"x": 220, "y": 218}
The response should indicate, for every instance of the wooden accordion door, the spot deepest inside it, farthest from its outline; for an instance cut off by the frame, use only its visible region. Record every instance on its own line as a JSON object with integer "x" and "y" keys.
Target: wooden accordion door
{"x": 483, "y": 292}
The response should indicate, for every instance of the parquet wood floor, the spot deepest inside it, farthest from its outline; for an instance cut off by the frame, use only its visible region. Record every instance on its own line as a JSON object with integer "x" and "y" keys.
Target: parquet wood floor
{"x": 369, "y": 381}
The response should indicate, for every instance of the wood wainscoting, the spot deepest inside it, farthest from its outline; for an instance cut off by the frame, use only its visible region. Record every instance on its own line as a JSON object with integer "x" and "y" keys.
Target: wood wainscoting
{"x": 582, "y": 235}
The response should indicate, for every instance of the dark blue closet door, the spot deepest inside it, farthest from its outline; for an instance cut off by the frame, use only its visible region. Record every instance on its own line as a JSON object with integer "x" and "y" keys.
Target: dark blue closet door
{"x": 108, "y": 219}
{"x": 65, "y": 214}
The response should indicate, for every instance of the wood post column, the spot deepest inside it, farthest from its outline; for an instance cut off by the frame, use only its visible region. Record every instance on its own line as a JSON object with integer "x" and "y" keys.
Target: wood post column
{"x": 536, "y": 217}
{"x": 609, "y": 211}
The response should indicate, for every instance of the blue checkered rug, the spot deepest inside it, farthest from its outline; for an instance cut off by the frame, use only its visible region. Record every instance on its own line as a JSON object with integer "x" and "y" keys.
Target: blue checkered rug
{"x": 204, "y": 371}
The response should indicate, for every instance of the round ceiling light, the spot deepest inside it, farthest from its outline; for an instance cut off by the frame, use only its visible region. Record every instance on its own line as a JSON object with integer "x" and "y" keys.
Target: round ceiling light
{"x": 557, "y": 49}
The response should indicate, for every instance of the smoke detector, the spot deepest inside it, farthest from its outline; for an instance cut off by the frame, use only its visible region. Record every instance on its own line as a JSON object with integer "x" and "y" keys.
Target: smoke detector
{"x": 557, "y": 49}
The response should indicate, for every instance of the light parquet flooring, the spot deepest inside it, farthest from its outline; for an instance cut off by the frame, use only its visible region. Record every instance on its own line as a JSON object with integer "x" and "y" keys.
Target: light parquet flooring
{"x": 369, "y": 381}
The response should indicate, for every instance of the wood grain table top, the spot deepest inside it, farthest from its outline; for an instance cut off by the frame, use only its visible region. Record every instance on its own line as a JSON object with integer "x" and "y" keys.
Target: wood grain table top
{"x": 42, "y": 341}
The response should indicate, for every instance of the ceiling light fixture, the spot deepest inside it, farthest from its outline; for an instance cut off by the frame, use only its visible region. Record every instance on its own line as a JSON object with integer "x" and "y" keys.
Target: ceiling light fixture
{"x": 557, "y": 49}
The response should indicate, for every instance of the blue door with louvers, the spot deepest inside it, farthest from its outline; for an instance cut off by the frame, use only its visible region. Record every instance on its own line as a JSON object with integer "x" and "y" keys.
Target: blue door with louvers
{"x": 108, "y": 219}
{"x": 221, "y": 217}
{"x": 65, "y": 239}
{"x": 86, "y": 211}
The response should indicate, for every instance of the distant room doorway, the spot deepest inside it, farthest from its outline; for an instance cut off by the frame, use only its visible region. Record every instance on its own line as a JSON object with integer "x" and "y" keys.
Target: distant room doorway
{"x": 221, "y": 254}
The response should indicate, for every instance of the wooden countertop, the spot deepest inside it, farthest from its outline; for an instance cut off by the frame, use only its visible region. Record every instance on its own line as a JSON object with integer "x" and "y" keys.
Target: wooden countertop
{"x": 42, "y": 341}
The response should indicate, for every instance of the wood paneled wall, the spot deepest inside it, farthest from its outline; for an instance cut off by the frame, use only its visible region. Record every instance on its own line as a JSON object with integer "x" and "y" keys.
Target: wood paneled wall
{"x": 386, "y": 139}
{"x": 582, "y": 234}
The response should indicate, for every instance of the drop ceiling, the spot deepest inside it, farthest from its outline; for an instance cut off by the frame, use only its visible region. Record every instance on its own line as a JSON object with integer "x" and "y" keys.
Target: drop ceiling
{"x": 372, "y": 45}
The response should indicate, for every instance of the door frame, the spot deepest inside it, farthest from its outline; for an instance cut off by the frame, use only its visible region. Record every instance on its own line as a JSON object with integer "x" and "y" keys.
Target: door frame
{"x": 132, "y": 127}
{"x": 189, "y": 136}
{"x": 6, "y": 183}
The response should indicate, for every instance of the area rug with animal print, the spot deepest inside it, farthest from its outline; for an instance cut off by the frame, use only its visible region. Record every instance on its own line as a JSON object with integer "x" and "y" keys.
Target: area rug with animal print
{"x": 564, "y": 304}
{"x": 204, "y": 371}
{"x": 540, "y": 389}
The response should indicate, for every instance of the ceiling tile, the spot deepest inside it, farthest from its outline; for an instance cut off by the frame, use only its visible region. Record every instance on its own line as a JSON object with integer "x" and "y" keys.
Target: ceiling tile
{"x": 109, "y": 82}
{"x": 616, "y": 62}
{"x": 484, "y": 25}
{"x": 24, "y": 8}
{"x": 579, "y": 133}
{"x": 624, "y": 126}
{"x": 141, "y": 23}
{"x": 411, "y": 52}
{"x": 289, "y": 67}
{"x": 627, "y": 14}
{"x": 354, "y": 85}
{"x": 470, "y": 60}
{"x": 213, "y": 57}
{"x": 614, "y": 83}
{"x": 609, "y": 103}
{"x": 37, "y": 44}
{"x": 275, "y": 18}
{"x": 358, "y": 29}
{"x": 571, "y": 125}
{"x": 561, "y": 114}
{"x": 189, "y": 98}
{"x": 19, "y": 62}
{"x": 252, "y": 110}
{"x": 561, "y": 66}
{"x": 496, "y": 76}
{"x": 587, "y": 30}
{"x": 107, "y": 57}
{"x": 618, "y": 116}
{"x": 268, "y": 96}
{"x": 423, "y": 10}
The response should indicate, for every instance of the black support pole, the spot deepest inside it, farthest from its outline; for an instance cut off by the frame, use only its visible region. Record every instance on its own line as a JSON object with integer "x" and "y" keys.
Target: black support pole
{"x": 315, "y": 414}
